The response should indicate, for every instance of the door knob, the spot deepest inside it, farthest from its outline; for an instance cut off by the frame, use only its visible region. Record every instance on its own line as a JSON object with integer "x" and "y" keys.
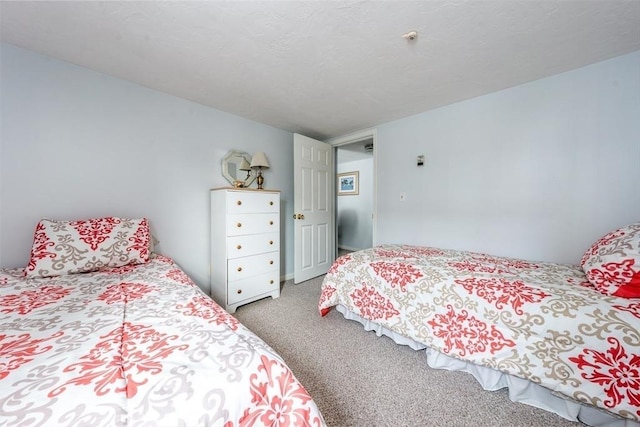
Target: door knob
{"x": 298, "y": 216}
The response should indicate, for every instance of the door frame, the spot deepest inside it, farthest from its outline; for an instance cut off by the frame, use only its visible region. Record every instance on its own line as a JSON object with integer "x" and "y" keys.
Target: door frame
{"x": 371, "y": 133}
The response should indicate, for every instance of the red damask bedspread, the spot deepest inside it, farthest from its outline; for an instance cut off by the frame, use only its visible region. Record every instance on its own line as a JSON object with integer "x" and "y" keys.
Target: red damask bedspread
{"x": 136, "y": 345}
{"x": 539, "y": 321}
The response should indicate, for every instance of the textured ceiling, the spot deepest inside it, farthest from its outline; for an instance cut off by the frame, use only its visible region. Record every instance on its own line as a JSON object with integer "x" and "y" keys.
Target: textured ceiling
{"x": 326, "y": 68}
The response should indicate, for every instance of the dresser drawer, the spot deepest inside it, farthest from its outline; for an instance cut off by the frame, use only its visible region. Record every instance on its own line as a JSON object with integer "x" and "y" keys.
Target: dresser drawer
{"x": 249, "y": 288}
{"x": 254, "y": 202}
{"x": 240, "y": 268}
{"x": 239, "y": 224}
{"x": 252, "y": 244}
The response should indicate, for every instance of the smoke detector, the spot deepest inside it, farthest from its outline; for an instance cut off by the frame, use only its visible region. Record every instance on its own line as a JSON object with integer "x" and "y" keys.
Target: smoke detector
{"x": 410, "y": 36}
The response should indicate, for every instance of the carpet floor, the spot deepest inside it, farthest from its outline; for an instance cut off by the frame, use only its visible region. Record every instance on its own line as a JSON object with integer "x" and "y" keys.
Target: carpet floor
{"x": 359, "y": 379}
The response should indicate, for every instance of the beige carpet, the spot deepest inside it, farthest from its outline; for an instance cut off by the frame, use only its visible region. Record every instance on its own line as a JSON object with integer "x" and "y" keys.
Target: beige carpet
{"x": 359, "y": 379}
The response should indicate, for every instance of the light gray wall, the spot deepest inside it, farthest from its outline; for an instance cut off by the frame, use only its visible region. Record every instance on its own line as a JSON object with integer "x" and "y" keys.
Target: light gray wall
{"x": 78, "y": 144}
{"x": 355, "y": 227}
{"x": 537, "y": 171}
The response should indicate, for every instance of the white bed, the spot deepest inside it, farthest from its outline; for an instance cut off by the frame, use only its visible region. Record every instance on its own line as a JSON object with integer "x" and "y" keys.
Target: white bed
{"x": 97, "y": 331}
{"x": 544, "y": 330}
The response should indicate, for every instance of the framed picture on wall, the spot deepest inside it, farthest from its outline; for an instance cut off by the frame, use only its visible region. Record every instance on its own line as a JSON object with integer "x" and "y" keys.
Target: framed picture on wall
{"x": 348, "y": 183}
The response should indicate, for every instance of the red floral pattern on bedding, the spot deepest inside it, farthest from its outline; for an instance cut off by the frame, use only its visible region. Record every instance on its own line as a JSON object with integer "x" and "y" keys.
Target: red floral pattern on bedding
{"x": 372, "y": 304}
{"x": 141, "y": 242}
{"x": 66, "y": 247}
{"x": 527, "y": 319}
{"x": 489, "y": 264}
{"x": 16, "y": 350}
{"x": 29, "y": 300}
{"x": 606, "y": 240}
{"x": 383, "y": 253}
{"x": 40, "y": 249}
{"x": 340, "y": 261}
{"x": 95, "y": 231}
{"x": 131, "y": 352}
{"x": 119, "y": 270}
{"x": 133, "y": 346}
{"x": 279, "y": 399}
{"x": 615, "y": 370}
{"x": 205, "y": 308}
{"x": 626, "y": 272}
{"x": 179, "y": 276}
{"x": 612, "y": 264}
{"x": 163, "y": 258}
{"x": 631, "y": 308}
{"x": 325, "y": 297}
{"x": 467, "y": 334}
{"x": 422, "y": 251}
{"x": 397, "y": 274}
{"x": 503, "y": 292}
{"x": 123, "y": 292}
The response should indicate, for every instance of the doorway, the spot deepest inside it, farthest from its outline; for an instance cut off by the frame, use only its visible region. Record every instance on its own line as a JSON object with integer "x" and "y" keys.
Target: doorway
{"x": 355, "y": 213}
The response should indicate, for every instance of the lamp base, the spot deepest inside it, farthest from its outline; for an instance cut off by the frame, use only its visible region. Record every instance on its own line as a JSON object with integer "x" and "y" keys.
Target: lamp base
{"x": 260, "y": 180}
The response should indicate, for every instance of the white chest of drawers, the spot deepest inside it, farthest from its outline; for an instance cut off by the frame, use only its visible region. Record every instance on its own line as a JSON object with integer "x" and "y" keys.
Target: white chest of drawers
{"x": 245, "y": 246}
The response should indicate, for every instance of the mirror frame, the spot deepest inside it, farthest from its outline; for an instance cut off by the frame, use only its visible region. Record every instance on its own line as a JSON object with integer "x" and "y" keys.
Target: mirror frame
{"x": 235, "y": 157}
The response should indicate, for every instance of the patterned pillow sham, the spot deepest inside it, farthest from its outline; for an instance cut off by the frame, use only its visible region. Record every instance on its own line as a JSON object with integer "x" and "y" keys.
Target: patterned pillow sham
{"x": 67, "y": 247}
{"x": 612, "y": 264}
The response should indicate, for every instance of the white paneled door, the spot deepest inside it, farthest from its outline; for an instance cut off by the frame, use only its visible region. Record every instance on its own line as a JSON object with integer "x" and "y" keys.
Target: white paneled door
{"x": 313, "y": 215}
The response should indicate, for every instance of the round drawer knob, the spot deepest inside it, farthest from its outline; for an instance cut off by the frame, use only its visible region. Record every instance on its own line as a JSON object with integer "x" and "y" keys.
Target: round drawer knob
{"x": 239, "y": 247}
{"x": 270, "y": 222}
{"x": 239, "y": 202}
{"x": 239, "y": 225}
{"x": 271, "y": 203}
{"x": 271, "y": 242}
{"x": 271, "y": 282}
{"x": 239, "y": 291}
{"x": 271, "y": 262}
{"x": 239, "y": 269}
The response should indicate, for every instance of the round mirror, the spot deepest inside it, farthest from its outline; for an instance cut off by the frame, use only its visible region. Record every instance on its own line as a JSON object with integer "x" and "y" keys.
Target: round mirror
{"x": 235, "y": 168}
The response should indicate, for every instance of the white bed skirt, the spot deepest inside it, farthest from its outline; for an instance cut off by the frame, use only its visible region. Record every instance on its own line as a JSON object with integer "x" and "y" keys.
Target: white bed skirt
{"x": 520, "y": 390}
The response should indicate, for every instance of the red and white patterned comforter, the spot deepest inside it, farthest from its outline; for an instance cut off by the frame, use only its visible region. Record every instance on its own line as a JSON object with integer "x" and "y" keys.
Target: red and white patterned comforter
{"x": 136, "y": 345}
{"x": 539, "y": 321}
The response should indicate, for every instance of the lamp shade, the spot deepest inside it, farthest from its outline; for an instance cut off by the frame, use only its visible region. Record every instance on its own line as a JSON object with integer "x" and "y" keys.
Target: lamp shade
{"x": 259, "y": 160}
{"x": 245, "y": 166}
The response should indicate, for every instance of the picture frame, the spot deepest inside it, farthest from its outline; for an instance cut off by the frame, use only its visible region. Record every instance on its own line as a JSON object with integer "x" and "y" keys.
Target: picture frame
{"x": 349, "y": 183}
